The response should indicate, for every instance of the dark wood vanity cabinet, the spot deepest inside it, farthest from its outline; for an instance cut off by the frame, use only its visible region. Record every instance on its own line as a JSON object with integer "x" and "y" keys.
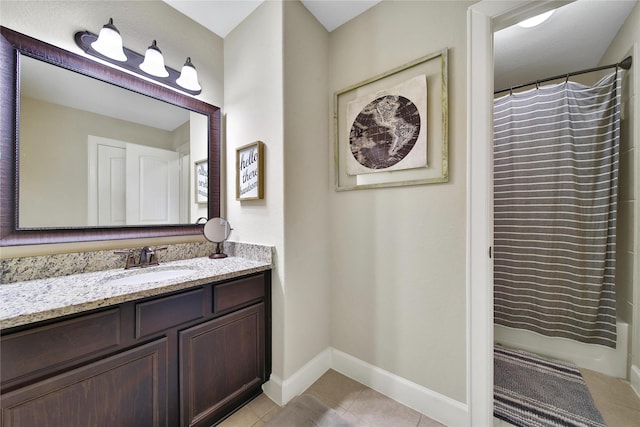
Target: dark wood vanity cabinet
{"x": 128, "y": 388}
{"x": 221, "y": 362}
{"x": 189, "y": 358}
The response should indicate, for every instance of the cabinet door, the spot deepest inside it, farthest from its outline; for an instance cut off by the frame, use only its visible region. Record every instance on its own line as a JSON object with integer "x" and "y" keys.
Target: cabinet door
{"x": 221, "y": 365}
{"x": 128, "y": 389}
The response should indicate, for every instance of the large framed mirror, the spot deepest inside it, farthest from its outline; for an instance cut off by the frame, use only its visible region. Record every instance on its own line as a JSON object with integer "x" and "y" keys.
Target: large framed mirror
{"x": 89, "y": 152}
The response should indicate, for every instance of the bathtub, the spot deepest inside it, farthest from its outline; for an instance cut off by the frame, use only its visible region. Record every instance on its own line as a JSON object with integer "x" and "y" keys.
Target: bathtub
{"x": 609, "y": 361}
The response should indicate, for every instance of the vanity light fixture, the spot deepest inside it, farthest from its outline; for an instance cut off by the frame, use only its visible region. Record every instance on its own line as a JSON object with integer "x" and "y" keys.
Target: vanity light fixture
{"x": 150, "y": 66}
{"x": 109, "y": 42}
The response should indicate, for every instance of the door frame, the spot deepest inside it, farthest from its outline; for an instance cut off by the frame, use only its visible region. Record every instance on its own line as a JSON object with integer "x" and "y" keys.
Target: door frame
{"x": 483, "y": 19}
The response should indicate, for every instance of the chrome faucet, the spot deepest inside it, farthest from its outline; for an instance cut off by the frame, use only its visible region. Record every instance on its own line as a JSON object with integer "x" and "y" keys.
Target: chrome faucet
{"x": 148, "y": 257}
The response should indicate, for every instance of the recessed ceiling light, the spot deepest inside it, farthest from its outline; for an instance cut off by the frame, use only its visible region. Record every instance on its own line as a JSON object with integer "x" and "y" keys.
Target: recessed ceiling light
{"x": 536, "y": 20}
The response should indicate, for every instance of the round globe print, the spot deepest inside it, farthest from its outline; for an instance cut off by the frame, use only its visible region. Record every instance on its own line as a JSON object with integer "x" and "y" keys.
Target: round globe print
{"x": 384, "y": 132}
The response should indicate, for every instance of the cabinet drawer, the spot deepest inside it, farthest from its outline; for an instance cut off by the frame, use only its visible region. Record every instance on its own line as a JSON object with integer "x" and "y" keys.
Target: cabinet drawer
{"x": 61, "y": 343}
{"x": 166, "y": 312}
{"x": 238, "y": 292}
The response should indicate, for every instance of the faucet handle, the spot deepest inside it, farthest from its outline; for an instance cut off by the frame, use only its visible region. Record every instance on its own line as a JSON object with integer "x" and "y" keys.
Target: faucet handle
{"x": 130, "y": 262}
{"x": 153, "y": 255}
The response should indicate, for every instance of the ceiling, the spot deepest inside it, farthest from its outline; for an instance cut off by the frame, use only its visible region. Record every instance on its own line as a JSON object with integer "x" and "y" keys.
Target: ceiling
{"x": 222, "y": 16}
{"x": 574, "y": 38}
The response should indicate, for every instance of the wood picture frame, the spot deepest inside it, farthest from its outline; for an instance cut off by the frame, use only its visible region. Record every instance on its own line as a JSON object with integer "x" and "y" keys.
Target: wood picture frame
{"x": 201, "y": 173}
{"x": 250, "y": 171}
{"x": 431, "y": 72}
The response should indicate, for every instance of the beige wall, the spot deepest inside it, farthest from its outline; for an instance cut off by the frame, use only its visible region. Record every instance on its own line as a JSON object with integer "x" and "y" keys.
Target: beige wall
{"x": 54, "y": 138}
{"x": 306, "y": 187}
{"x": 253, "y": 110}
{"x": 387, "y": 300}
{"x": 627, "y": 42}
{"x": 398, "y": 254}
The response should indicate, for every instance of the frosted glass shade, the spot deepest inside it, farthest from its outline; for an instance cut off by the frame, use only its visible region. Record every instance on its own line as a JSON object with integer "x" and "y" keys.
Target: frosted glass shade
{"x": 109, "y": 42}
{"x": 154, "y": 62}
{"x": 189, "y": 77}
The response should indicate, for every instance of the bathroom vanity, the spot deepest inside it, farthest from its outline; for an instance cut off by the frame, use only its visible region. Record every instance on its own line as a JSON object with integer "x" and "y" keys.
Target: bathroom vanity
{"x": 184, "y": 351}
{"x": 182, "y": 344}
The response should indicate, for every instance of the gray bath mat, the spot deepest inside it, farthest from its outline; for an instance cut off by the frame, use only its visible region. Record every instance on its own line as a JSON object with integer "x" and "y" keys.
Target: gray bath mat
{"x": 531, "y": 391}
{"x": 307, "y": 411}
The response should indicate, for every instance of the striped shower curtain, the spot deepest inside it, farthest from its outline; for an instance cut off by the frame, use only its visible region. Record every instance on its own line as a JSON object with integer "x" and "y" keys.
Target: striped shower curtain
{"x": 555, "y": 196}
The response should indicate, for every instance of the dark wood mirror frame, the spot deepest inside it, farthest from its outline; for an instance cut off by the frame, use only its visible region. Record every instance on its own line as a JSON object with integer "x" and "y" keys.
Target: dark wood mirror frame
{"x": 14, "y": 44}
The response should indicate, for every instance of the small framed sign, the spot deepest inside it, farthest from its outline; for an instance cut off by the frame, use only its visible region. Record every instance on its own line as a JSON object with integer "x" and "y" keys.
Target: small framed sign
{"x": 202, "y": 181}
{"x": 250, "y": 171}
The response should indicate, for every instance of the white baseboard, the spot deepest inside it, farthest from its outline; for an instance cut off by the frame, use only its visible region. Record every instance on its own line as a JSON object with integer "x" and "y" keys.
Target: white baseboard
{"x": 428, "y": 402}
{"x": 273, "y": 389}
{"x": 635, "y": 379}
{"x": 281, "y": 392}
{"x": 434, "y": 405}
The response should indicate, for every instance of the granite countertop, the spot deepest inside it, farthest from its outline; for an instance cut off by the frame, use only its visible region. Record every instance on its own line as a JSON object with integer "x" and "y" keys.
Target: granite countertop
{"x": 35, "y": 300}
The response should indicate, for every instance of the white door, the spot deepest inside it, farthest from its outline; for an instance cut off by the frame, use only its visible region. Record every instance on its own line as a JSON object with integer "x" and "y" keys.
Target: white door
{"x": 111, "y": 185}
{"x": 153, "y": 185}
{"x": 131, "y": 184}
{"x": 106, "y": 181}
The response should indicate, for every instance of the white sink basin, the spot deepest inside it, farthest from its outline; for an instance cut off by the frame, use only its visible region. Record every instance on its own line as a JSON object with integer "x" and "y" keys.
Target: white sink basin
{"x": 149, "y": 277}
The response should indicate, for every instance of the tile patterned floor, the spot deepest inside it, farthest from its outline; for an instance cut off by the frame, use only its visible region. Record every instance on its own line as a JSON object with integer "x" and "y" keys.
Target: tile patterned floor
{"x": 614, "y": 398}
{"x": 356, "y": 403}
{"x": 364, "y": 407}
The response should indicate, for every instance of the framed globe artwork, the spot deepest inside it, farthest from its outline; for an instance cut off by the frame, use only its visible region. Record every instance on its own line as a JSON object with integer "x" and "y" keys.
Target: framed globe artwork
{"x": 391, "y": 130}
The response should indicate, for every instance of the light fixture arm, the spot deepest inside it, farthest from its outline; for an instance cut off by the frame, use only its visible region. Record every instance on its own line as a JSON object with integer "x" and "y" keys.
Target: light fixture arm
{"x": 85, "y": 38}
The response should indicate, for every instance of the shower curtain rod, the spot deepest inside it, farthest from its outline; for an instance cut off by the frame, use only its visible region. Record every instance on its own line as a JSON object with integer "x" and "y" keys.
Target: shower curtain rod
{"x": 625, "y": 65}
